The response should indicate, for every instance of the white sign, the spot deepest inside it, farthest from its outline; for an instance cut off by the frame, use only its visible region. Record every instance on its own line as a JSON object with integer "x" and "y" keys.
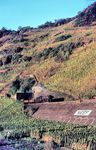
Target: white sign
{"x": 83, "y": 112}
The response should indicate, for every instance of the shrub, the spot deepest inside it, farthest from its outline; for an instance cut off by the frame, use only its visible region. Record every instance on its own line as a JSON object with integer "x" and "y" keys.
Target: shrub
{"x": 24, "y": 29}
{"x": 19, "y": 38}
{"x": 18, "y": 49}
{"x": 15, "y": 86}
{"x": 8, "y": 59}
{"x": 62, "y": 52}
{"x": 22, "y": 85}
{"x": 27, "y": 84}
{"x": 1, "y": 63}
{"x": 27, "y": 58}
{"x": 45, "y": 53}
{"x": 46, "y": 25}
{"x": 55, "y": 23}
{"x": 44, "y": 36}
{"x": 63, "y": 37}
{"x": 26, "y": 44}
{"x": 16, "y": 58}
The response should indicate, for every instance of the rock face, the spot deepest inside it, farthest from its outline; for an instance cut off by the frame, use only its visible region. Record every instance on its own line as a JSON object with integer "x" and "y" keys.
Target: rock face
{"x": 40, "y": 93}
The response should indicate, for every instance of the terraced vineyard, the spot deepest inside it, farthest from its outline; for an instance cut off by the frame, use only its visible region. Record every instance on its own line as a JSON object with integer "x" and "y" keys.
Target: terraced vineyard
{"x": 12, "y": 118}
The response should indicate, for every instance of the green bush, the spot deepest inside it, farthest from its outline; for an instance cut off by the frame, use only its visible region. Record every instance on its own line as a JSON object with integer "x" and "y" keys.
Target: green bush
{"x": 62, "y": 52}
{"x": 15, "y": 86}
{"x": 17, "y": 57}
{"x": 62, "y": 56}
{"x": 22, "y": 85}
{"x": 63, "y": 37}
{"x": 27, "y": 84}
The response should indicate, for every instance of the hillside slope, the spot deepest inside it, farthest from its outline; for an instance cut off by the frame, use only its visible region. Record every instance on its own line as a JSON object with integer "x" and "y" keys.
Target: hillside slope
{"x": 87, "y": 17}
{"x": 62, "y": 57}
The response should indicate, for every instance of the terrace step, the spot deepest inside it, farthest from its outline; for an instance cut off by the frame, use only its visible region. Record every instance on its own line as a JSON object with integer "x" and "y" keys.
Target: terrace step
{"x": 65, "y": 112}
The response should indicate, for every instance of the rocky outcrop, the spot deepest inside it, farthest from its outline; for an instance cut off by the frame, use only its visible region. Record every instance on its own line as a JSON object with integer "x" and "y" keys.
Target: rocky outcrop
{"x": 87, "y": 17}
